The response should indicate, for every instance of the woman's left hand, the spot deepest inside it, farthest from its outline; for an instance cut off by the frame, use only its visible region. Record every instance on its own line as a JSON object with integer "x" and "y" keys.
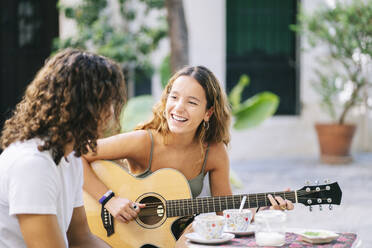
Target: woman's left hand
{"x": 278, "y": 203}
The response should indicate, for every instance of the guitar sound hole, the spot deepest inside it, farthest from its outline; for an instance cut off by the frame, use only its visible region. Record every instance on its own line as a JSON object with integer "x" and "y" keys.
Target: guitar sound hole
{"x": 154, "y": 211}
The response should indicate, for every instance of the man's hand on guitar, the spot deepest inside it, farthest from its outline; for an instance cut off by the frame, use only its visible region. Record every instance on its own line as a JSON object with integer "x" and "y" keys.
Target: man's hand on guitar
{"x": 123, "y": 209}
{"x": 278, "y": 203}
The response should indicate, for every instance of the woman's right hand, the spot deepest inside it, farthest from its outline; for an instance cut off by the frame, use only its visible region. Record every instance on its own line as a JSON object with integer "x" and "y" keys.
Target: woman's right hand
{"x": 123, "y": 209}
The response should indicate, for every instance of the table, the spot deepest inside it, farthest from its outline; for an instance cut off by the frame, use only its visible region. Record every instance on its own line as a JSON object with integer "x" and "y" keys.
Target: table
{"x": 345, "y": 240}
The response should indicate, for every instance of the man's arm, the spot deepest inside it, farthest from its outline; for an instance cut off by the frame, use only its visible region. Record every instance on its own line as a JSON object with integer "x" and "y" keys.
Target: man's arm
{"x": 78, "y": 233}
{"x": 41, "y": 230}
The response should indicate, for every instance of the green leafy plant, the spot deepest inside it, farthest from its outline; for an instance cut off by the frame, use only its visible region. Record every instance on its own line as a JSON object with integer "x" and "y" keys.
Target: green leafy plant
{"x": 165, "y": 71}
{"x": 346, "y": 30}
{"x": 138, "y": 109}
{"x": 255, "y": 109}
{"x": 123, "y": 35}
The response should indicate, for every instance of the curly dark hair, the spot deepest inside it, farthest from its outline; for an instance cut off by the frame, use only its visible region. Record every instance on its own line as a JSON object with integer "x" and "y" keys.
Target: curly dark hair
{"x": 69, "y": 100}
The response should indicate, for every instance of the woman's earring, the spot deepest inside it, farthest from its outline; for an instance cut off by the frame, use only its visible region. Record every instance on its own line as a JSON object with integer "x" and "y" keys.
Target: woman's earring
{"x": 206, "y": 125}
{"x": 164, "y": 114}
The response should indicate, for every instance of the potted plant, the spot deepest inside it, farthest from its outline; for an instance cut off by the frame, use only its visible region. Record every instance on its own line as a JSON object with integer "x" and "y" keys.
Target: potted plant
{"x": 342, "y": 81}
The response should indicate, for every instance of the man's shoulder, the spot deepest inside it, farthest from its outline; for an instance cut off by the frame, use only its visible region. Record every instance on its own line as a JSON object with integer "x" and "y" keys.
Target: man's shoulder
{"x": 23, "y": 153}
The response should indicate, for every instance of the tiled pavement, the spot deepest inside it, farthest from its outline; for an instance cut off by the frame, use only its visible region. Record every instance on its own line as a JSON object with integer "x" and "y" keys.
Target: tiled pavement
{"x": 353, "y": 215}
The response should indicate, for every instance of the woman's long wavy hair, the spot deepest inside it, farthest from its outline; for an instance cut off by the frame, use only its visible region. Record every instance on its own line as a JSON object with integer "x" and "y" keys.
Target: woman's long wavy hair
{"x": 70, "y": 99}
{"x": 219, "y": 122}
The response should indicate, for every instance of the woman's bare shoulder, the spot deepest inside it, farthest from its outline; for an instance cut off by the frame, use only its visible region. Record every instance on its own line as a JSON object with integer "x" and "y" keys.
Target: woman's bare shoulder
{"x": 217, "y": 155}
{"x": 217, "y": 147}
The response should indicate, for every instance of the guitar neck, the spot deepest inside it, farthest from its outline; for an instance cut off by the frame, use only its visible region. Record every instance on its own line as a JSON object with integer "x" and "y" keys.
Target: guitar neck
{"x": 184, "y": 207}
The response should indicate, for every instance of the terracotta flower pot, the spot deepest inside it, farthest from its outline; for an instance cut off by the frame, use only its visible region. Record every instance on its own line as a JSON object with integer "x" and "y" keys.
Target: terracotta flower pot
{"x": 335, "y": 142}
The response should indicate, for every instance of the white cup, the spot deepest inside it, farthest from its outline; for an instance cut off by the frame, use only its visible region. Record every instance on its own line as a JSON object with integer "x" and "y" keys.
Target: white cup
{"x": 237, "y": 221}
{"x": 209, "y": 226}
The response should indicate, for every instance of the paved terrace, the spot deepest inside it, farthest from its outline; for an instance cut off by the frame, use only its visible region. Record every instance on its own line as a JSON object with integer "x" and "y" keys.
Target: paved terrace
{"x": 355, "y": 179}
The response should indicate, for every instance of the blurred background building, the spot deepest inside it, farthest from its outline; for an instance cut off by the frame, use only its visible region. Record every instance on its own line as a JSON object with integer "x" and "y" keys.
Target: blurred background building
{"x": 231, "y": 37}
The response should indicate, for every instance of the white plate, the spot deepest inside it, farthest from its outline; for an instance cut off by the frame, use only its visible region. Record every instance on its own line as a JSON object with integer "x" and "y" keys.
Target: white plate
{"x": 194, "y": 237}
{"x": 237, "y": 233}
{"x": 317, "y": 236}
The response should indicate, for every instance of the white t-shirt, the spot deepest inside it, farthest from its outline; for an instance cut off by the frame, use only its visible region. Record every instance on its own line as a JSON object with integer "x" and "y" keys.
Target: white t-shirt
{"x": 31, "y": 183}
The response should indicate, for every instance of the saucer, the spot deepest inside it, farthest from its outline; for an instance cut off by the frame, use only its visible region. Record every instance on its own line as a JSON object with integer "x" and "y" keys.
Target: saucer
{"x": 316, "y": 236}
{"x": 194, "y": 237}
{"x": 249, "y": 231}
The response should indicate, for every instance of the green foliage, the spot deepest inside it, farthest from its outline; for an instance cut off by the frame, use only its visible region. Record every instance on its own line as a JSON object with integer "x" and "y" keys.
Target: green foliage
{"x": 236, "y": 92}
{"x": 346, "y": 30}
{"x": 328, "y": 91}
{"x": 154, "y": 3}
{"x": 255, "y": 109}
{"x": 129, "y": 41}
{"x": 165, "y": 71}
{"x": 137, "y": 110}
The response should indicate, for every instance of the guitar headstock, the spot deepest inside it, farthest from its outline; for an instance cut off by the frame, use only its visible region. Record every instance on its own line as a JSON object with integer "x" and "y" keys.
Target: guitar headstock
{"x": 320, "y": 194}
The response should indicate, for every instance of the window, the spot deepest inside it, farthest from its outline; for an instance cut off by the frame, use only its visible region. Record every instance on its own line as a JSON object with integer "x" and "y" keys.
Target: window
{"x": 27, "y": 29}
{"x": 260, "y": 44}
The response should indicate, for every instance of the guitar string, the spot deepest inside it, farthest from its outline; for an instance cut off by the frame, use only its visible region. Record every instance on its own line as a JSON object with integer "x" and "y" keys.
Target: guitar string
{"x": 235, "y": 197}
{"x": 178, "y": 210}
{"x": 185, "y": 211}
{"x": 203, "y": 201}
{"x": 207, "y": 205}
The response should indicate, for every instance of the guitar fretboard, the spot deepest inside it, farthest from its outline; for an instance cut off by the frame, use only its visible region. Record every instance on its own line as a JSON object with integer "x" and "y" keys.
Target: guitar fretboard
{"x": 184, "y": 207}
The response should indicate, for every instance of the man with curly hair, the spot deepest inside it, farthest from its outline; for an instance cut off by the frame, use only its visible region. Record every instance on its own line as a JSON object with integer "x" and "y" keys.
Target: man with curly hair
{"x": 65, "y": 109}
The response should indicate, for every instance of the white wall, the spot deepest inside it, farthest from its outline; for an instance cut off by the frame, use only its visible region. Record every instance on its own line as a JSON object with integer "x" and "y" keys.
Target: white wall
{"x": 206, "y": 24}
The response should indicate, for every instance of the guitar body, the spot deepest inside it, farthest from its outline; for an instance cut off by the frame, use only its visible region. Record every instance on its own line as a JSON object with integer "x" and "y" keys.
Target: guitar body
{"x": 153, "y": 227}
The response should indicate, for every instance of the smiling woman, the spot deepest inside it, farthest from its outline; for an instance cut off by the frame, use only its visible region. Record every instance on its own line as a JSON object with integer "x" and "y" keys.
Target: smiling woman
{"x": 189, "y": 132}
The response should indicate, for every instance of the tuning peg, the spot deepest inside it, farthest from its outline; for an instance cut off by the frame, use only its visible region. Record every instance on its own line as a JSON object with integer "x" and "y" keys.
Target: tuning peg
{"x": 330, "y": 207}
{"x": 320, "y": 208}
{"x": 317, "y": 182}
{"x": 307, "y": 182}
{"x": 310, "y": 208}
{"x": 327, "y": 181}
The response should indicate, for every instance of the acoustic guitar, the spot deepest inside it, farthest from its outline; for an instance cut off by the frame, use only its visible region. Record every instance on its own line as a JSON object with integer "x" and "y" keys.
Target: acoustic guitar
{"x": 167, "y": 196}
